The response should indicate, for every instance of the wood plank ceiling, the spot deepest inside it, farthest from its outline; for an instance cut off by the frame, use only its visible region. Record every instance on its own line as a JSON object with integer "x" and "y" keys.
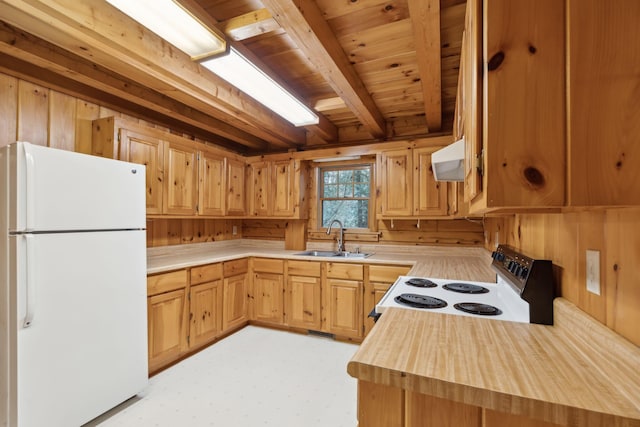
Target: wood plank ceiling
{"x": 374, "y": 70}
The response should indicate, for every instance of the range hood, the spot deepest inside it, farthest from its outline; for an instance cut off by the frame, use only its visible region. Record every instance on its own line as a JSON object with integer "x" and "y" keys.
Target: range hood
{"x": 448, "y": 162}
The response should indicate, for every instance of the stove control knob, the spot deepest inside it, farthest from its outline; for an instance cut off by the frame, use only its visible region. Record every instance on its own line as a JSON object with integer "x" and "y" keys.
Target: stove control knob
{"x": 494, "y": 255}
{"x": 514, "y": 267}
{"x": 524, "y": 272}
{"x": 519, "y": 270}
{"x": 510, "y": 265}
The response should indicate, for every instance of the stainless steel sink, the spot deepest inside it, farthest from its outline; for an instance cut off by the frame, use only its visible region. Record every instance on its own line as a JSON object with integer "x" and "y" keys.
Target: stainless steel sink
{"x": 319, "y": 253}
{"x": 335, "y": 254}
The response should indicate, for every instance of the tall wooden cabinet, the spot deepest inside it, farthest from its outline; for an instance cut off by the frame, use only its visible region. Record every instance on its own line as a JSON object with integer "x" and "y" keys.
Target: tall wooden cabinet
{"x": 514, "y": 94}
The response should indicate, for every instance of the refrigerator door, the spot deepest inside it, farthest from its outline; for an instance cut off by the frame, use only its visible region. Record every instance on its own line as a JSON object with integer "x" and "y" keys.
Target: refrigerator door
{"x": 81, "y": 324}
{"x": 57, "y": 190}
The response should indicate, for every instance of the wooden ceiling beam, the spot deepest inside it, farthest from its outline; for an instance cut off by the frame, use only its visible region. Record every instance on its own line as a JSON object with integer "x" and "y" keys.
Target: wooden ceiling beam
{"x": 249, "y": 25}
{"x": 304, "y": 23}
{"x": 94, "y": 30}
{"x": 425, "y": 17}
{"x": 50, "y": 59}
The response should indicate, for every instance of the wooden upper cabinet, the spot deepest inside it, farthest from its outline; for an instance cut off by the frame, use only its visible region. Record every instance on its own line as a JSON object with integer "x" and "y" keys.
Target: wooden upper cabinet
{"x": 117, "y": 139}
{"x": 181, "y": 183}
{"x": 515, "y": 95}
{"x": 429, "y": 195}
{"x": 408, "y": 186}
{"x": 236, "y": 187}
{"x": 397, "y": 182}
{"x": 147, "y": 150}
{"x": 282, "y": 176}
{"x": 261, "y": 182}
{"x": 212, "y": 184}
{"x": 604, "y": 119}
{"x": 278, "y": 188}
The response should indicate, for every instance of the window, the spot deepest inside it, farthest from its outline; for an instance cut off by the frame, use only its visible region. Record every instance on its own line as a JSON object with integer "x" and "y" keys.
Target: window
{"x": 345, "y": 194}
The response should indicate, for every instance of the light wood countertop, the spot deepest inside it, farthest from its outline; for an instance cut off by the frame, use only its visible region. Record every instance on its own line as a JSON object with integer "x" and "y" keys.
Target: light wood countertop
{"x": 462, "y": 263}
{"x": 576, "y": 373}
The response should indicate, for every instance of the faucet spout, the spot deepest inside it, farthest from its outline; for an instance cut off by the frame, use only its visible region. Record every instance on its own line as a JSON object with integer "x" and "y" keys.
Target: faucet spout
{"x": 341, "y": 237}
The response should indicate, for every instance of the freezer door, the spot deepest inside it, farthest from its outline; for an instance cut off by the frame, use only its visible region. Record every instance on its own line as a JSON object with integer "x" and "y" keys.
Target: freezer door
{"x": 81, "y": 325}
{"x": 57, "y": 190}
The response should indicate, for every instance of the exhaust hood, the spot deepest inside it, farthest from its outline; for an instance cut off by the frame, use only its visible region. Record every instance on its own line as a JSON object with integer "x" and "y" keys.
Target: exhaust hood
{"x": 448, "y": 162}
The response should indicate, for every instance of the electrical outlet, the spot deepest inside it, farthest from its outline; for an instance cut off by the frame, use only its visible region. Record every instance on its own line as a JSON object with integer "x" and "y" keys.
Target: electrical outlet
{"x": 234, "y": 230}
{"x": 593, "y": 271}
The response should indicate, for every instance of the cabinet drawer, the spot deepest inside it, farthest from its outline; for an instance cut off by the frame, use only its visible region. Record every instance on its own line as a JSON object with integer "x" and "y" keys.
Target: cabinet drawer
{"x": 387, "y": 273}
{"x": 340, "y": 270}
{"x": 304, "y": 268}
{"x": 165, "y": 282}
{"x": 206, "y": 273}
{"x": 267, "y": 265}
{"x": 238, "y": 266}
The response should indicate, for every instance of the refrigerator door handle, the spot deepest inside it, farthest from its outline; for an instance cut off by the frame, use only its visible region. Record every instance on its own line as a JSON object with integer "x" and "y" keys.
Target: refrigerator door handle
{"x": 30, "y": 281}
{"x": 30, "y": 186}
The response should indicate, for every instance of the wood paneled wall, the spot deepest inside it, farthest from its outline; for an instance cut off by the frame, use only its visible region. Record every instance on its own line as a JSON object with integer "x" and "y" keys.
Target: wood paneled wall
{"x": 564, "y": 238}
{"x": 36, "y": 114}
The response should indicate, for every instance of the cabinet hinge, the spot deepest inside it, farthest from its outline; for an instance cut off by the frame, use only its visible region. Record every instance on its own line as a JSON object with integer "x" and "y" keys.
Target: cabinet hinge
{"x": 188, "y": 339}
{"x": 198, "y": 156}
{"x": 119, "y": 137}
{"x": 479, "y": 163}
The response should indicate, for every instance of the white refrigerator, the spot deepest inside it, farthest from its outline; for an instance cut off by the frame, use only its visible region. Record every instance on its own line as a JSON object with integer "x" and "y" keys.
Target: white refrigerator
{"x": 73, "y": 314}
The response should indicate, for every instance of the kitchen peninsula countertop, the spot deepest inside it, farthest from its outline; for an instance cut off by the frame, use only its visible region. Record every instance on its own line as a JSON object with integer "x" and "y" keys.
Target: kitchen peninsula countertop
{"x": 575, "y": 373}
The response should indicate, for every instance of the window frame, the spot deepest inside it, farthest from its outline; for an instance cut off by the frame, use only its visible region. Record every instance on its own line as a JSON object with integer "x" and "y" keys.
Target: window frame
{"x": 351, "y": 165}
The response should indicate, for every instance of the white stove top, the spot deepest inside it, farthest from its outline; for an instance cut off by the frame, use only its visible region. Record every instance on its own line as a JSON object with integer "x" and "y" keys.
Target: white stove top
{"x": 500, "y": 295}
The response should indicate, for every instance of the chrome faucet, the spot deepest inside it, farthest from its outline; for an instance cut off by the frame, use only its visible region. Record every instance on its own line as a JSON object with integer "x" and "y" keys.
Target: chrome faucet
{"x": 341, "y": 238}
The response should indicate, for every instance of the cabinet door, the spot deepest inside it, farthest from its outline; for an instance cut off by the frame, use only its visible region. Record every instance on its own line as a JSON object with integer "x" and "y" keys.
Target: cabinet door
{"x": 234, "y": 311}
{"x": 429, "y": 196}
{"x": 181, "y": 185}
{"x": 345, "y": 307}
{"x": 283, "y": 198}
{"x": 167, "y": 327}
{"x": 380, "y": 278}
{"x": 236, "y": 188}
{"x": 212, "y": 179}
{"x": 472, "y": 98}
{"x": 304, "y": 302}
{"x": 397, "y": 182}
{"x": 268, "y": 294}
{"x": 261, "y": 181}
{"x": 146, "y": 150}
{"x": 206, "y": 313}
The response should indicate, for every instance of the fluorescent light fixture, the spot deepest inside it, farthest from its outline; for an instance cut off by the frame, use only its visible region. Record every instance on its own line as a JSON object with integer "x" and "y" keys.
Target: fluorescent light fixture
{"x": 172, "y": 22}
{"x": 241, "y": 73}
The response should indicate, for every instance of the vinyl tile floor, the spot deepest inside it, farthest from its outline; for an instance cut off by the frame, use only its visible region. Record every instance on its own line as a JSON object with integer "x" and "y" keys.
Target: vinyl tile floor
{"x": 255, "y": 377}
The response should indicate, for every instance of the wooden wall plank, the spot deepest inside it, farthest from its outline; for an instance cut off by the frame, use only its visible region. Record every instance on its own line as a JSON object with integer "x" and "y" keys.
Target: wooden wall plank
{"x": 8, "y": 109}
{"x": 33, "y": 113}
{"x": 86, "y": 112}
{"x": 564, "y": 239}
{"x": 62, "y": 121}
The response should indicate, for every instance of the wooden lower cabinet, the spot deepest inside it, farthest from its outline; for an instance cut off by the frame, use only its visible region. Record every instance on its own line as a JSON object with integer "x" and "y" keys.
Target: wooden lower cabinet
{"x": 268, "y": 297}
{"x": 206, "y": 313}
{"x": 343, "y": 289}
{"x": 304, "y": 302}
{"x": 234, "y": 311}
{"x": 167, "y": 306}
{"x": 378, "y": 279}
{"x": 386, "y": 406}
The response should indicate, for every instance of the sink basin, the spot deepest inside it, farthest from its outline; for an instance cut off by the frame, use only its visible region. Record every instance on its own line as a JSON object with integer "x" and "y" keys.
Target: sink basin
{"x": 319, "y": 253}
{"x": 335, "y": 254}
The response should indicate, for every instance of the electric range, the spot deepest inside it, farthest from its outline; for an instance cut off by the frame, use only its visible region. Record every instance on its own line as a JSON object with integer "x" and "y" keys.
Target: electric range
{"x": 523, "y": 292}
